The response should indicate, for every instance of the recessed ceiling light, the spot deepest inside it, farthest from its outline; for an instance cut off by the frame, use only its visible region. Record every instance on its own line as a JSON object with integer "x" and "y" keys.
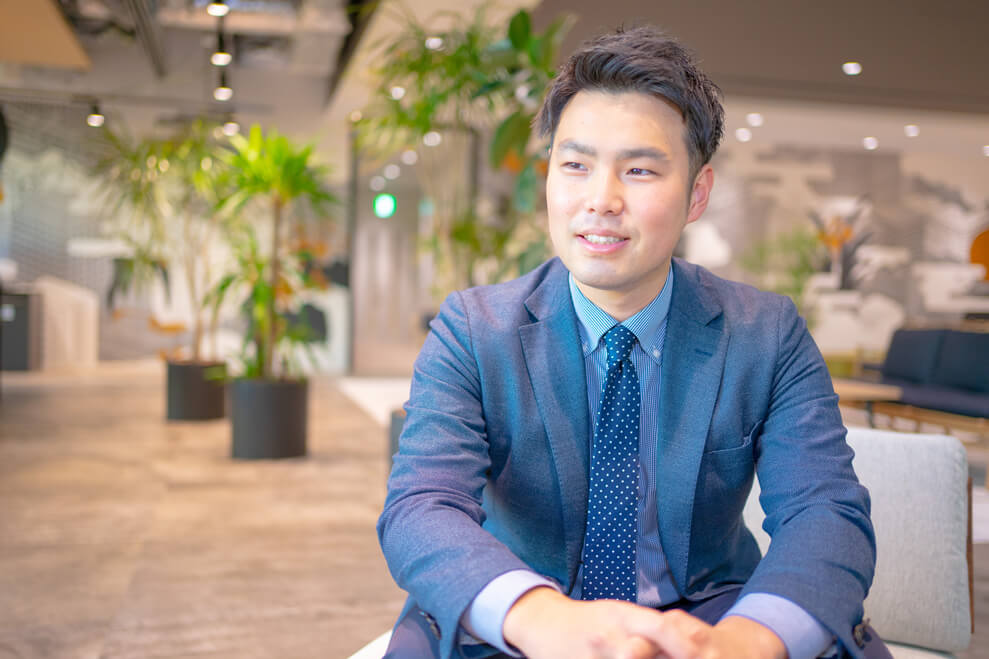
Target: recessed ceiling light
{"x": 378, "y": 183}
{"x": 218, "y": 8}
{"x": 392, "y": 172}
{"x": 870, "y": 143}
{"x": 911, "y": 130}
{"x": 985, "y": 150}
{"x": 410, "y": 157}
{"x": 851, "y": 68}
{"x": 754, "y": 119}
{"x": 434, "y": 43}
{"x": 432, "y": 138}
{"x": 397, "y": 92}
{"x": 743, "y": 134}
{"x": 356, "y": 116}
{"x": 230, "y": 128}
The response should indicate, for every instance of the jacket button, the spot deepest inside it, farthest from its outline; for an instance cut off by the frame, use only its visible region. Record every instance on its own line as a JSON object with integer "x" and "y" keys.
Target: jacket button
{"x": 860, "y": 633}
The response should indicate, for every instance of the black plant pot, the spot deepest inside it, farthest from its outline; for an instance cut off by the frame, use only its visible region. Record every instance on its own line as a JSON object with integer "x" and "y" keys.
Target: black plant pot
{"x": 269, "y": 418}
{"x": 196, "y": 391}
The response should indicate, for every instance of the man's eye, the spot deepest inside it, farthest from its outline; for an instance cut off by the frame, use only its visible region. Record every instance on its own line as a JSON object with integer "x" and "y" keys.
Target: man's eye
{"x": 640, "y": 171}
{"x": 573, "y": 165}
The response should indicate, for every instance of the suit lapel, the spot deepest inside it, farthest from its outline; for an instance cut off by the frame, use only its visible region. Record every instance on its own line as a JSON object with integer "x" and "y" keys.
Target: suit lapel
{"x": 693, "y": 361}
{"x": 555, "y": 363}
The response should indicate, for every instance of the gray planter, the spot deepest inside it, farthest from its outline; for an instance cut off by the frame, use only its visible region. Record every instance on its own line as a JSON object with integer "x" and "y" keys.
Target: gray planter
{"x": 269, "y": 418}
{"x": 196, "y": 391}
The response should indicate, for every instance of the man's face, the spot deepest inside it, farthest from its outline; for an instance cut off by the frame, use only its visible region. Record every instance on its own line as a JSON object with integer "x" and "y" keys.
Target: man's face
{"x": 619, "y": 194}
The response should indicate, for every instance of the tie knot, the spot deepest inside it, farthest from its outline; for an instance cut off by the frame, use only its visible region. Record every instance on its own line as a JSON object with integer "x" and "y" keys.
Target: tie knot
{"x": 619, "y": 340}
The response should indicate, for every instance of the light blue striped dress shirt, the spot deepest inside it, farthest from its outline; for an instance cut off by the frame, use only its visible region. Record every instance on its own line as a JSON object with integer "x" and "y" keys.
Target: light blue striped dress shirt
{"x": 655, "y": 583}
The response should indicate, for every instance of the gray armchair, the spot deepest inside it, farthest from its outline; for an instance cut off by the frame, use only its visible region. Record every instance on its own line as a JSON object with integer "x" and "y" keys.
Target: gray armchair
{"x": 920, "y": 602}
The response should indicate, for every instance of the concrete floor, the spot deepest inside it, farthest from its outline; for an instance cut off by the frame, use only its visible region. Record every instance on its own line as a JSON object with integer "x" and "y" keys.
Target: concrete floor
{"x": 124, "y": 536}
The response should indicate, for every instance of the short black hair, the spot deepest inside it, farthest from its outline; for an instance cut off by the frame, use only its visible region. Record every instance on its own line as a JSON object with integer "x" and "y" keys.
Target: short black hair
{"x": 642, "y": 59}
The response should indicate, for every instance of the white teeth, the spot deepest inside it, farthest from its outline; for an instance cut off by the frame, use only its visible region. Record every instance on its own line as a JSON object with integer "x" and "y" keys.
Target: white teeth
{"x": 601, "y": 240}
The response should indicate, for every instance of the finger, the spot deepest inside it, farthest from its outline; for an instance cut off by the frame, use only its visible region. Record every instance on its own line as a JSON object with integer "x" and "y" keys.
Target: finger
{"x": 674, "y": 635}
{"x": 687, "y": 624}
{"x": 606, "y": 644}
{"x": 632, "y": 647}
{"x": 637, "y": 647}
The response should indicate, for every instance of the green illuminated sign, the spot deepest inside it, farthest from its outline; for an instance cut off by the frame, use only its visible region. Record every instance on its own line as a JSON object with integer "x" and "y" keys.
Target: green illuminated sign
{"x": 384, "y": 205}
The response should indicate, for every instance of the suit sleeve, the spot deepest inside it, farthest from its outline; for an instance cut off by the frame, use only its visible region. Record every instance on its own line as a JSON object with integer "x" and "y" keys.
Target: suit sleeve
{"x": 823, "y": 552}
{"x": 430, "y": 529}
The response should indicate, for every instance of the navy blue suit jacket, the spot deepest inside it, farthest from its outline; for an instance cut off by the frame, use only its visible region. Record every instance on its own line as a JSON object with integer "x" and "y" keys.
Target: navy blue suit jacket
{"x": 492, "y": 469}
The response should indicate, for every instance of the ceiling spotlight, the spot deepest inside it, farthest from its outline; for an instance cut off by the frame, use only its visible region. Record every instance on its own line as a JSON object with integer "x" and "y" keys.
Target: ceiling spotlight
{"x": 392, "y": 172}
{"x": 223, "y": 92}
{"x": 434, "y": 43}
{"x": 985, "y": 150}
{"x": 754, "y": 119}
{"x": 397, "y": 92}
{"x": 911, "y": 130}
{"x": 222, "y": 56}
{"x": 378, "y": 183}
{"x": 230, "y": 127}
{"x": 743, "y": 134}
{"x": 851, "y": 68}
{"x": 410, "y": 157}
{"x": 432, "y": 138}
{"x": 218, "y": 8}
{"x": 95, "y": 117}
{"x": 870, "y": 143}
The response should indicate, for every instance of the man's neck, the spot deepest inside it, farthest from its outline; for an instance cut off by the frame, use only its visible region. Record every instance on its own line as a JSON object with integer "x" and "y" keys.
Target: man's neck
{"x": 622, "y": 305}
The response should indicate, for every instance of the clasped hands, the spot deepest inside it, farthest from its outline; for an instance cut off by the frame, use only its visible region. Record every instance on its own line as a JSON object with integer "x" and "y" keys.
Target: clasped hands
{"x": 546, "y": 624}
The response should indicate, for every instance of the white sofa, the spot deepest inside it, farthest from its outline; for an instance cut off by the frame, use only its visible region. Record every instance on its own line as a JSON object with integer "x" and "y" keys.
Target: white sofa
{"x": 920, "y": 602}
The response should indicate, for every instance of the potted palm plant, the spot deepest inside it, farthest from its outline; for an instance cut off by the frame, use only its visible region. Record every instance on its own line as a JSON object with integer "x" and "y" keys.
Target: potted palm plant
{"x": 171, "y": 189}
{"x": 269, "y": 400}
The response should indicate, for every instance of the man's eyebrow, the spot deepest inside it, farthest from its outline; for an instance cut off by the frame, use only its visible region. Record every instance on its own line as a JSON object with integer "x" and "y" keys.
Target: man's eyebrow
{"x": 571, "y": 145}
{"x": 642, "y": 152}
{"x": 624, "y": 154}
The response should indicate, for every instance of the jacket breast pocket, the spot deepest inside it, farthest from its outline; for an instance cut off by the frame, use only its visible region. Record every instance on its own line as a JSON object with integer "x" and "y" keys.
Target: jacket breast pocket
{"x": 728, "y": 469}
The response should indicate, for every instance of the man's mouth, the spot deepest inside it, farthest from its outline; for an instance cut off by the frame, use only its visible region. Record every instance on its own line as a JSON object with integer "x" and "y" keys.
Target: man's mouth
{"x": 600, "y": 239}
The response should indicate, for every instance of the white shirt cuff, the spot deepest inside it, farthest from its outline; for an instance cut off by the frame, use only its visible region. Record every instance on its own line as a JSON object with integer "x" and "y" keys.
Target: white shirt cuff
{"x": 801, "y": 633}
{"x": 485, "y": 616}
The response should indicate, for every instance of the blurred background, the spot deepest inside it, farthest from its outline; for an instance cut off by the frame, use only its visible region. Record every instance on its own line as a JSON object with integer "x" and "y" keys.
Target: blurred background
{"x": 225, "y": 226}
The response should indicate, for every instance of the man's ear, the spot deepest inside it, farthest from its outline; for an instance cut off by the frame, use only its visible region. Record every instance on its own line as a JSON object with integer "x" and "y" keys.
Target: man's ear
{"x": 700, "y": 193}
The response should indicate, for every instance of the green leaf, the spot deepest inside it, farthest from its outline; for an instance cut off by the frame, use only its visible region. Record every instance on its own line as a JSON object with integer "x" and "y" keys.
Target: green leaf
{"x": 519, "y": 29}
{"x": 512, "y": 134}
{"x": 526, "y": 189}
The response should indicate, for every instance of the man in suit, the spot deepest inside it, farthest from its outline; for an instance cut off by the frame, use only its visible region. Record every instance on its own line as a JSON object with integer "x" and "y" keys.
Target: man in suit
{"x": 580, "y": 442}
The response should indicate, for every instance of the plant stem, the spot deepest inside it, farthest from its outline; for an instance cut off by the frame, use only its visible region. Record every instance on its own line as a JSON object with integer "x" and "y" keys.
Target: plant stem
{"x": 277, "y": 205}
{"x": 190, "y": 278}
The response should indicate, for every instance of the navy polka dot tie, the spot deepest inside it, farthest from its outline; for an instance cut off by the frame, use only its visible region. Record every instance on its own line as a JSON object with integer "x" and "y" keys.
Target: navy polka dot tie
{"x": 609, "y": 543}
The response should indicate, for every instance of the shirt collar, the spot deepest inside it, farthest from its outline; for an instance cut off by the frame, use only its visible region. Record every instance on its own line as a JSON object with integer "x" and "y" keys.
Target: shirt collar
{"x": 645, "y": 324}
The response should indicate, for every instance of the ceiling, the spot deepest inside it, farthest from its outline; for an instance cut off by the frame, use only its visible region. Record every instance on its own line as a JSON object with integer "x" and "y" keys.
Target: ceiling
{"x": 915, "y": 53}
{"x": 923, "y": 63}
{"x": 146, "y": 62}
{"x": 299, "y": 64}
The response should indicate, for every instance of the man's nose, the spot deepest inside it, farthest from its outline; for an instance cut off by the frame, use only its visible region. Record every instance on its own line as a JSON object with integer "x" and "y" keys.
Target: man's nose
{"x": 605, "y": 194}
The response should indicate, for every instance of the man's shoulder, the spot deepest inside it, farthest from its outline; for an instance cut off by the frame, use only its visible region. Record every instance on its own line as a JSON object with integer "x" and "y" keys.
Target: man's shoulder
{"x": 739, "y": 304}
{"x": 509, "y": 297}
